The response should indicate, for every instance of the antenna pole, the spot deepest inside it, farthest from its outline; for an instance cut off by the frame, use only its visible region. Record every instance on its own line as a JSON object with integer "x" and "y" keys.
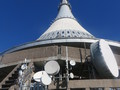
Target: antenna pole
{"x": 67, "y": 68}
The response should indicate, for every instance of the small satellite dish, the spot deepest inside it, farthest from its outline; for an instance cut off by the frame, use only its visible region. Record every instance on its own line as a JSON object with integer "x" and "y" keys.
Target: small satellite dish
{"x": 52, "y": 67}
{"x": 46, "y": 80}
{"x": 71, "y": 75}
{"x": 24, "y": 66}
{"x": 103, "y": 59}
{"x": 72, "y": 63}
{"x": 37, "y": 76}
{"x": 20, "y": 73}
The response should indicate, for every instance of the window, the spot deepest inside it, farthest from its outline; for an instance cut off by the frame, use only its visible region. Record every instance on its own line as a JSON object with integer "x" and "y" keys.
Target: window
{"x": 83, "y": 33}
{"x": 78, "y": 32}
{"x": 68, "y": 32}
{"x": 114, "y": 88}
{"x": 52, "y": 33}
{"x": 57, "y": 32}
{"x": 77, "y": 89}
{"x": 59, "y": 49}
{"x": 68, "y": 35}
{"x": 96, "y": 88}
{"x": 63, "y": 36}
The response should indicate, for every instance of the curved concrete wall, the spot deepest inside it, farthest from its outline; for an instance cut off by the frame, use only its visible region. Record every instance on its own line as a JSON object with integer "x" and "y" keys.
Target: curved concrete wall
{"x": 46, "y": 53}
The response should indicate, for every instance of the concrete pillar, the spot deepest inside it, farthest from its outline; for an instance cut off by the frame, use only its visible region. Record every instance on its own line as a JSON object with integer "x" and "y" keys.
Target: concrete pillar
{"x": 106, "y": 88}
{"x": 87, "y": 88}
{"x": 68, "y": 89}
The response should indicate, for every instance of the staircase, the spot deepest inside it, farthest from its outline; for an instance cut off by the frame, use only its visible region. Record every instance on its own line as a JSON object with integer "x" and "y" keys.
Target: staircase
{"x": 10, "y": 79}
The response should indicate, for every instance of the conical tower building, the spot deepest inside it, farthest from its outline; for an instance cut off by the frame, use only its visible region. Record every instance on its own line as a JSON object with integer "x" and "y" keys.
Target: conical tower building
{"x": 62, "y": 58}
{"x": 65, "y": 25}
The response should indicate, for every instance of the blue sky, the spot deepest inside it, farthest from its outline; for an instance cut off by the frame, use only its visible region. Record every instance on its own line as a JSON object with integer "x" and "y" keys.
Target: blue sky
{"x": 24, "y": 21}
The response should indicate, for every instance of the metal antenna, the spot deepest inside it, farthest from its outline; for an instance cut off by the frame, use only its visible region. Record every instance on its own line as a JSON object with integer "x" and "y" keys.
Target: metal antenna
{"x": 67, "y": 68}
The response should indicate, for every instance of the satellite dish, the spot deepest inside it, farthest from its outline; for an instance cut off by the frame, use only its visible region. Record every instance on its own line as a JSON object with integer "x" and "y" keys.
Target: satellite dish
{"x": 52, "y": 67}
{"x": 37, "y": 76}
{"x": 71, "y": 75}
{"x": 72, "y": 63}
{"x": 24, "y": 66}
{"x": 46, "y": 80}
{"x": 103, "y": 59}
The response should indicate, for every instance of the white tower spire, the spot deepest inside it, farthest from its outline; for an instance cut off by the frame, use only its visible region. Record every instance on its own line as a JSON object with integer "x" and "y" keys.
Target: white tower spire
{"x": 64, "y": 1}
{"x": 65, "y": 25}
{"x": 64, "y": 10}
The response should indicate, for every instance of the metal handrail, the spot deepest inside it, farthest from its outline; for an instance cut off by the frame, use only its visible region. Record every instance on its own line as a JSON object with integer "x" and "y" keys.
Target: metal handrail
{"x": 9, "y": 75}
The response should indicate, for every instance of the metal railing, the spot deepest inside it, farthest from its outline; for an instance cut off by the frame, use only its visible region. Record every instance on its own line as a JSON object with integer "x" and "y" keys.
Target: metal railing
{"x": 9, "y": 75}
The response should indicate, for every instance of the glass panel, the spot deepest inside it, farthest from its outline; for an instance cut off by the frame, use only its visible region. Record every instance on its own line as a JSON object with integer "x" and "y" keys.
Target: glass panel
{"x": 62, "y": 32}
{"x": 114, "y": 89}
{"x": 77, "y": 89}
{"x": 68, "y": 32}
{"x": 96, "y": 88}
{"x": 59, "y": 49}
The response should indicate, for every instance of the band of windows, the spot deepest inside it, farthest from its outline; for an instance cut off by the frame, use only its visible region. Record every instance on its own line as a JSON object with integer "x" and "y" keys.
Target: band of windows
{"x": 66, "y": 34}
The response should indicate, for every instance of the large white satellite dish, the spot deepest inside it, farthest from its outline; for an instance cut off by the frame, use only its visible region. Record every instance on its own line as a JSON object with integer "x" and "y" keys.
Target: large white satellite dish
{"x": 52, "y": 67}
{"x": 46, "y": 80}
{"x": 103, "y": 59}
{"x": 37, "y": 76}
